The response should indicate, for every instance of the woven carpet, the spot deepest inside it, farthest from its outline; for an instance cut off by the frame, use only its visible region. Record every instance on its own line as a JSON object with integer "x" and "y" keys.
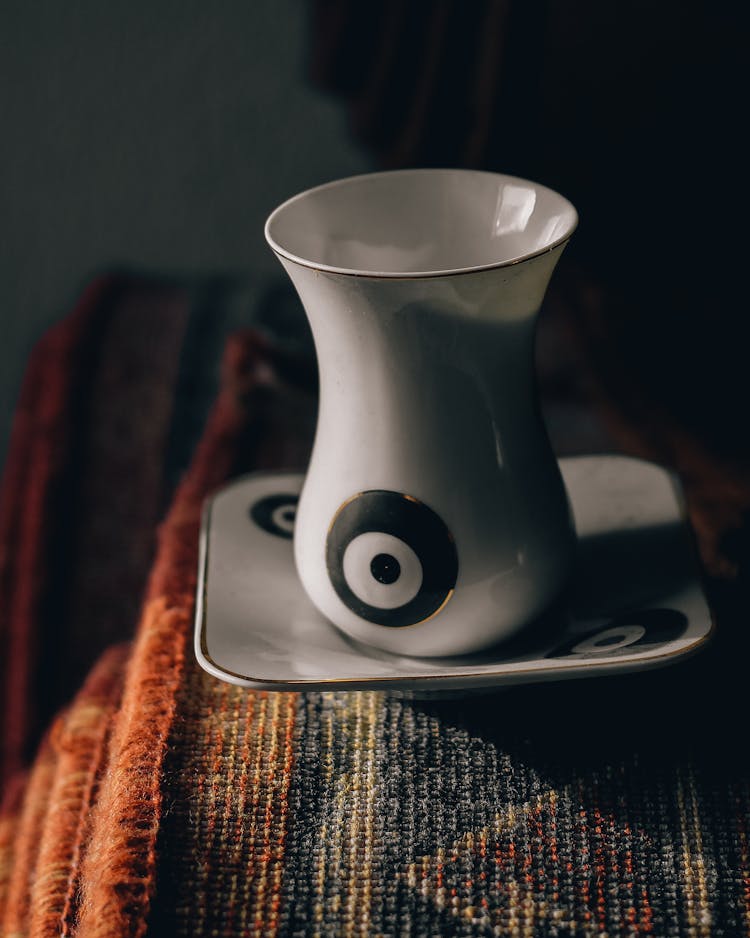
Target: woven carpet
{"x": 161, "y": 801}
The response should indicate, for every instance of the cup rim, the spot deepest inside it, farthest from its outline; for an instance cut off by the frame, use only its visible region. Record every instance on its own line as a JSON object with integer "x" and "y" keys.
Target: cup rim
{"x": 419, "y": 274}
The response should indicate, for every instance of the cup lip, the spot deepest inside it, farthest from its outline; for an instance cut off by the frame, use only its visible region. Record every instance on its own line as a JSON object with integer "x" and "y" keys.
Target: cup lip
{"x": 419, "y": 274}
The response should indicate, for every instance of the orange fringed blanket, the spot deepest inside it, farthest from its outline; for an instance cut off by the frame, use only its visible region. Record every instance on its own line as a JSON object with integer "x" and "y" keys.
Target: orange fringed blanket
{"x": 163, "y": 802}
{"x": 79, "y": 831}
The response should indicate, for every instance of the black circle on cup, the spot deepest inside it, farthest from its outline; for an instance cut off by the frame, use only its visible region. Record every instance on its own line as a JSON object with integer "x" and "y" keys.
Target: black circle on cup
{"x": 275, "y": 514}
{"x": 391, "y": 559}
{"x": 385, "y": 568}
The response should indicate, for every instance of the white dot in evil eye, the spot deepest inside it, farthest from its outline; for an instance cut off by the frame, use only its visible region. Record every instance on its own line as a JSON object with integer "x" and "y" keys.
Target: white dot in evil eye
{"x": 358, "y": 557}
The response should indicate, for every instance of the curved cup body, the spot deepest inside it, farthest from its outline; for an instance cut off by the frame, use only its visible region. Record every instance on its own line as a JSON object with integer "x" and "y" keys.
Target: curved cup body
{"x": 433, "y": 519}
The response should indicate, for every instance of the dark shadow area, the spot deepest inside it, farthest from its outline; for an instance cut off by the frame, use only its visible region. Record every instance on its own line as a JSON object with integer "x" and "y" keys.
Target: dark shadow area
{"x": 630, "y": 568}
{"x": 694, "y": 711}
{"x": 630, "y": 110}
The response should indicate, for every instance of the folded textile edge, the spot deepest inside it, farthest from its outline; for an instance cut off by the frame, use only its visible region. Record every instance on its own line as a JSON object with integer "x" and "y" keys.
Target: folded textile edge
{"x": 116, "y": 845}
{"x": 218, "y": 810}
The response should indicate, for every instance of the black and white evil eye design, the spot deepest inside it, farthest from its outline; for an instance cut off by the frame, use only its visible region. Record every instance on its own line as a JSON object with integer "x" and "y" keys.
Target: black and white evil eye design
{"x": 639, "y": 631}
{"x": 276, "y": 514}
{"x": 391, "y": 559}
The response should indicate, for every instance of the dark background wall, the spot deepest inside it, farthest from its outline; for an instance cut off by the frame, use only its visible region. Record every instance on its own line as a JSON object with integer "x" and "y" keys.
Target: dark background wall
{"x": 154, "y": 135}
{"x": 157, "y": 135}
{"x": 634, "y": 110}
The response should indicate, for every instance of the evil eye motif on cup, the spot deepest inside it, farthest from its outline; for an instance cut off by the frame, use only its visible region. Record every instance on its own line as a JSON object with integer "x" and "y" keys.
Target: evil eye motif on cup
{"x": 390, "y": 558}
{"x": 276, "y": 514}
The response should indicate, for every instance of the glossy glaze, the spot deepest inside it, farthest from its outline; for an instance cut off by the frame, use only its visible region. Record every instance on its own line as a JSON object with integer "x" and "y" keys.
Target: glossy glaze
{"x": 635, "y": 600}
{"x": 425, "y": 352}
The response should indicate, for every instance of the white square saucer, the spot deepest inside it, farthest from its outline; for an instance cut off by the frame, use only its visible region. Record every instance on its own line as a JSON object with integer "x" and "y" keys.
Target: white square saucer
{"x": 635, "y": 601}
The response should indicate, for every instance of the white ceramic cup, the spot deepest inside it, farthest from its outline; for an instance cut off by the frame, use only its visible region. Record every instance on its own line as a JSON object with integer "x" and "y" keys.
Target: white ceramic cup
{"x": 433, "y": 519}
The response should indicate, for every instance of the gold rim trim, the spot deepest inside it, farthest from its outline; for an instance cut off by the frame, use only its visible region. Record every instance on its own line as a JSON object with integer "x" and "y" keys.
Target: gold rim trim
{"x": 427, "y": 274}
{"x": 279, "y": 251}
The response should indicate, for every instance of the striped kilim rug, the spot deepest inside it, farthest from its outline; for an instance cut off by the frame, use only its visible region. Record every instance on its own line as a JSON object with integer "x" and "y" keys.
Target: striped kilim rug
{"x": 161, "y": 801}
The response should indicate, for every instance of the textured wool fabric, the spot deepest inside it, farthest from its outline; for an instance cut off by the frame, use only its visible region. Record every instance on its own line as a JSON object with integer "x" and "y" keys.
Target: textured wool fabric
{"x": 79, "y": 494}
{"x": 39, "y": 448}
{"x": 79, "y": 739}
{"x": 112, "y": 404}
{"x": 120, "y": 870}
{"x": 165, "y": 802}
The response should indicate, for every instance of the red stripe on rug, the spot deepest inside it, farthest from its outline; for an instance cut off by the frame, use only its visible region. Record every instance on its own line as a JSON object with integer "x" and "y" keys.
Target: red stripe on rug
{"x": 119, "y": 870}
{"x": 81, "y": 744}
{"x": 37, "y": 456}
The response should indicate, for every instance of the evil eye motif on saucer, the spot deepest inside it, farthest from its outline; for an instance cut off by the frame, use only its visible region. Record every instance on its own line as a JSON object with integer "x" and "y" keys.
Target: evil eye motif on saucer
{"x": 275, "y": 514}
{"x": 636, "y": 632}
{"x": 390, "y": 558}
